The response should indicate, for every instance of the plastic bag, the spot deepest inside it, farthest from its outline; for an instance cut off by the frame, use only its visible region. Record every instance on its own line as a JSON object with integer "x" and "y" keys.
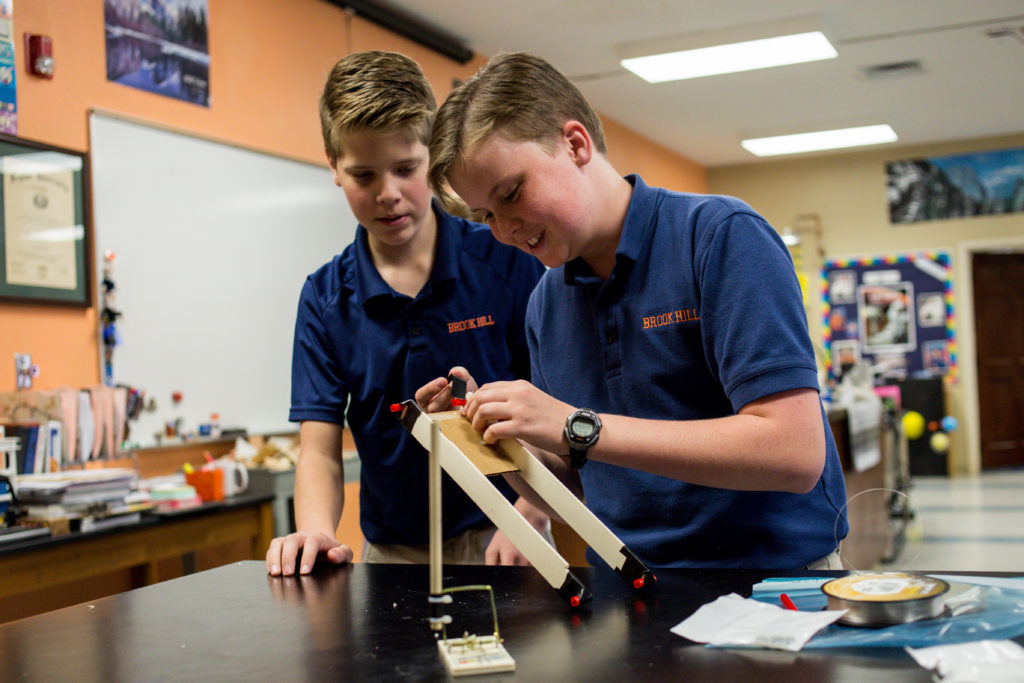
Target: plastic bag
{"x": 976, "y": 612}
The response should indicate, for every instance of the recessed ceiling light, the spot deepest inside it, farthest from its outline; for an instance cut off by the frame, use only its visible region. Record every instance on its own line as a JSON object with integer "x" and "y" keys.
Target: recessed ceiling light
{"x": 733, "y": 57}
{"x": 819, "y": 140}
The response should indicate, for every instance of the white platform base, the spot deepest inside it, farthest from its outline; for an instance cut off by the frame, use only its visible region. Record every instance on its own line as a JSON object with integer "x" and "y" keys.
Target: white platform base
{"x": 475, "y": 655}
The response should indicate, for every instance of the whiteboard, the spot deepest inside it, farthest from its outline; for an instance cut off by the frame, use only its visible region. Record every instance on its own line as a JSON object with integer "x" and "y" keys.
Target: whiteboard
{"x": 213, "y": 243}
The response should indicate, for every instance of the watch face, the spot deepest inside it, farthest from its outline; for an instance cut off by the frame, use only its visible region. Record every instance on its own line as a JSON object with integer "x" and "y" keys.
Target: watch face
{"x": 582, "y": 427}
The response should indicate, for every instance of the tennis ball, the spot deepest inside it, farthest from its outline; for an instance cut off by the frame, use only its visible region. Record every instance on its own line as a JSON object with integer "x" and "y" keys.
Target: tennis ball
{"x": 939, "y": 442}
{"x": 913, "y": 424}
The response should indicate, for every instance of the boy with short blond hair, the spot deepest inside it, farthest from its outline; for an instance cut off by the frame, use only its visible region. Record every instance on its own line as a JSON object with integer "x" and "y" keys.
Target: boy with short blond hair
{"x": 374, "y": 91}
{"x": 379, "y": 323}
{"x": 668, "y": 341}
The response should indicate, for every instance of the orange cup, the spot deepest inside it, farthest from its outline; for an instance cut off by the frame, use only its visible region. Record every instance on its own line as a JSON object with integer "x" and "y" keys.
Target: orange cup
{"x": 209, "y": 484}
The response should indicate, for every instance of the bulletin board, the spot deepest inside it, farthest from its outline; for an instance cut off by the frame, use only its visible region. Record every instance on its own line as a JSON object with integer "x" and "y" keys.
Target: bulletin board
{"x": 892, "y": 312}
{"x": 212, "y": 244}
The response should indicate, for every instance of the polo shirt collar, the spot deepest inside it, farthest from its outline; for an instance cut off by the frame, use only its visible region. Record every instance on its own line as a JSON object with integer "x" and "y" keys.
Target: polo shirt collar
{"x": 635, "y": 235}
{"x": 368, "y": 284}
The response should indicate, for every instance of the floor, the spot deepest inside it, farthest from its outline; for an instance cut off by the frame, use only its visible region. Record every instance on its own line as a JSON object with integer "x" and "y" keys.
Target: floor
{"x": 965, "y": 523}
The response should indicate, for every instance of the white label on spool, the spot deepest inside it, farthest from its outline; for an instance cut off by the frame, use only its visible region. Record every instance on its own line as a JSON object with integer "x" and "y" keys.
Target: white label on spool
{"x": 887, "y": 586}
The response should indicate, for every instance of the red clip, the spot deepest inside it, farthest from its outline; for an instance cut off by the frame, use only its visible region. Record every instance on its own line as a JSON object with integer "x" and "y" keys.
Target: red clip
{"x": 396, "y": 407}
{"x": 458, "y": 402}
{"x": 638, "y": 583}
{"x": 574, "y": 601}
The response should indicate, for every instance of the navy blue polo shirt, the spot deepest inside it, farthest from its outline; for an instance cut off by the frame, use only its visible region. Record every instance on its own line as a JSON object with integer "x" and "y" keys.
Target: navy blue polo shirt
{"x": 360, "y": 344}
{"x": 701, "y": 315}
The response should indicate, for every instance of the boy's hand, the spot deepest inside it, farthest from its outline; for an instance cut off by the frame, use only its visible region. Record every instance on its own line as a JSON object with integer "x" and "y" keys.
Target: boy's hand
{"x": 519, "y": 410}
{"x": 436, "y": 395}
{"x": 502, "y": 551}
{"x": 284, "y": 552}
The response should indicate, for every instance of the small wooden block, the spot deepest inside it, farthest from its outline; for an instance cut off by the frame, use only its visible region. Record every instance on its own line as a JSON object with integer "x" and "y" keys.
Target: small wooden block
{"x": 490, "y": 460}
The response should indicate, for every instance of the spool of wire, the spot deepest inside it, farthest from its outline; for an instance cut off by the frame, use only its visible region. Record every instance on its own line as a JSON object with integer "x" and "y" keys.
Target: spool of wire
{"x": 886, "y": 598}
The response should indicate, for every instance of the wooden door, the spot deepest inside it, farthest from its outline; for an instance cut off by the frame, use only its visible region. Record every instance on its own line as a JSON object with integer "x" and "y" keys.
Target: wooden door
{"x": 999, "y": 329}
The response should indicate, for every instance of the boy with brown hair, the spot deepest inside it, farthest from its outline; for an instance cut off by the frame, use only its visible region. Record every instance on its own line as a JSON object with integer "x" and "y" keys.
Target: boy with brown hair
{"x": 380, "y": 322}
{"x": 675, "y": 318}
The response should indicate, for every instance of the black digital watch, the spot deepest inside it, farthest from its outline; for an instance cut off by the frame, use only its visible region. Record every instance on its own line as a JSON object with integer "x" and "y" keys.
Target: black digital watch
{"x": 582, "y": 430}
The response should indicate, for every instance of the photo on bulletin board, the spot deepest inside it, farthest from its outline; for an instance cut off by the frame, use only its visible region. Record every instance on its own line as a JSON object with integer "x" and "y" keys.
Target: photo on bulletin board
{"x": 846, "y": 354}
{"x": 885, "y": 317}
{"x": 899, "y": 319}
{"x": 163, "y": 51}
{"x": 935, "y": 356}
{"x": 842, "y": 286}
{"x": 931, "y": 310}
{"x": 43, "y": 223}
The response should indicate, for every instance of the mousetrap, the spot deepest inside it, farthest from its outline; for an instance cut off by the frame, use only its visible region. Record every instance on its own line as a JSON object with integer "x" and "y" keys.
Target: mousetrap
{"x": 455, "y": 447}
{"x": 475, "y": 655}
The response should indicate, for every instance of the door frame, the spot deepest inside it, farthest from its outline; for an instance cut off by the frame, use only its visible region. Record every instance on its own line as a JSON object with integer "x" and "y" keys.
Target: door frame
{"x": 967, "y": 341}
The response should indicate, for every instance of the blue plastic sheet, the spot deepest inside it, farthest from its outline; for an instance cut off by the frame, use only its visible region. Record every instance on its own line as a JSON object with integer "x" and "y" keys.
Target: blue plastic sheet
{"x": 978, "y": 612}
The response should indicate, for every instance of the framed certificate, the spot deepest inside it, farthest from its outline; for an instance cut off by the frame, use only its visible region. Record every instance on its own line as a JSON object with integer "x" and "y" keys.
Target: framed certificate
{"x": 44, "y": 223}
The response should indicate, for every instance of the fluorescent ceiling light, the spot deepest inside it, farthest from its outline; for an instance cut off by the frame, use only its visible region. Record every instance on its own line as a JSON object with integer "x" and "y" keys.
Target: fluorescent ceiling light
{"x": 742, "y": 56}
{"x": 823, "y": 139}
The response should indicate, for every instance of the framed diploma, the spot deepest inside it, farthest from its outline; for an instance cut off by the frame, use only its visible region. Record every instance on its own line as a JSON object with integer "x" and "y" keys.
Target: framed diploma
{"x": 44, "y": 223}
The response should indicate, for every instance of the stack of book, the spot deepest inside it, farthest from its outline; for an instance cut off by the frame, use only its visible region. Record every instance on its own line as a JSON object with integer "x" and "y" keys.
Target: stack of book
{"x": 86, "y": 500}
{"x": 171, "y": 493}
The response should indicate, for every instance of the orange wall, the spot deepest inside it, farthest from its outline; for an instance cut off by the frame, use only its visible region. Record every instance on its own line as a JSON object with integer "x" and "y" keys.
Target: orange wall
{"x": 268, "y": 61}
{"x": 630, "y": 152}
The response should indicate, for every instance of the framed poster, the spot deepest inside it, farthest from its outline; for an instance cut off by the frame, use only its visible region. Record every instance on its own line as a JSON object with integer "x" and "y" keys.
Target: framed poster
{"x": 955, "y": 186}
{"x": 44, "y": 229}
{"x": 160, "y": 47}
{"x": 893, "y": 312}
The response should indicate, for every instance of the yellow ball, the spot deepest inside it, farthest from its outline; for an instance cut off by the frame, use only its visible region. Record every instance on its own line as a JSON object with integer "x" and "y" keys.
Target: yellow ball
{"x": 913, "y": 424}
{"x": 939, "y": 442}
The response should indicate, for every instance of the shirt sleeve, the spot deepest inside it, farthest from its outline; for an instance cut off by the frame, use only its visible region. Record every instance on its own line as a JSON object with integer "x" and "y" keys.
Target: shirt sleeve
{"x": 319, "y": 389}
{"x": 755, "y": 330}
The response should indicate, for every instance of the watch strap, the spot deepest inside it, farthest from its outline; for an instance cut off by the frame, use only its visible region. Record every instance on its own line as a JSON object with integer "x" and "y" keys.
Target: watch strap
{"x": 577, "y": 457}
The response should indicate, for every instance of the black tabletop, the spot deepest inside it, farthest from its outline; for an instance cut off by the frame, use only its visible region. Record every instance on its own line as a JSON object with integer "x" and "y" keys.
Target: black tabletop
{"x": 368, "y": 622}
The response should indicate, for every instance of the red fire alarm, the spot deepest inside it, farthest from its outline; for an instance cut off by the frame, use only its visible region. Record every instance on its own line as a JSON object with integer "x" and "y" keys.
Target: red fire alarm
{"x": 39, "y": 55}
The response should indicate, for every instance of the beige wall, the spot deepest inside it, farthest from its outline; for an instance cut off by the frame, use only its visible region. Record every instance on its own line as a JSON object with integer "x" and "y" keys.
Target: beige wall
{"x": 268, "y": 61}
{"x": 847, "y": 192}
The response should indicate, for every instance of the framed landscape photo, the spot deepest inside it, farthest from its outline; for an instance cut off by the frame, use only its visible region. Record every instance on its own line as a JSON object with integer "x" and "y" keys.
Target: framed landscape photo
{"x": 44, "y": 223}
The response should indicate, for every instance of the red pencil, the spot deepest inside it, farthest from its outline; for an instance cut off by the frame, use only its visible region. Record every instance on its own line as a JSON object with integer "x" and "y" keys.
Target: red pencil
{"x": 786, "y": 602}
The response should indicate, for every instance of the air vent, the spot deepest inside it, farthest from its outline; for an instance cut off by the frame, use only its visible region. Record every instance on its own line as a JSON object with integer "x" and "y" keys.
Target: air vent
{"x": 894, "y": 69}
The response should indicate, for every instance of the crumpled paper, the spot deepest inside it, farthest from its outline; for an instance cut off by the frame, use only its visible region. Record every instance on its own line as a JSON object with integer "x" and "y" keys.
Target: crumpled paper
{"x": 735, "y": 621}
{"x": 983, "y": 661}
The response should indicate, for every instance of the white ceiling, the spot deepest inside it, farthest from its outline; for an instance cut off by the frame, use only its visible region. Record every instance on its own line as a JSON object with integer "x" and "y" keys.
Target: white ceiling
{"x": 971, "y": 85}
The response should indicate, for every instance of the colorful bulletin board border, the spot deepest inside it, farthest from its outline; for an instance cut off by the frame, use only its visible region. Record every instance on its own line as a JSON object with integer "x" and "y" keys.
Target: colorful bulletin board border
{"x": 894, "y": 312}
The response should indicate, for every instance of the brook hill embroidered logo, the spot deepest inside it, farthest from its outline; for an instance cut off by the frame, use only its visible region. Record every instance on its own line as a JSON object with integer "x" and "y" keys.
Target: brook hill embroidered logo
{"x": 470, "y": 324}
{"x": 671, "y": 318}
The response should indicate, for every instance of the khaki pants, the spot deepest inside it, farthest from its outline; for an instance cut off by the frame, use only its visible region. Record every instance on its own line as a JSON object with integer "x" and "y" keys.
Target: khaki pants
{"x": 469, "y": 547}
{"x": 830, "y": 561}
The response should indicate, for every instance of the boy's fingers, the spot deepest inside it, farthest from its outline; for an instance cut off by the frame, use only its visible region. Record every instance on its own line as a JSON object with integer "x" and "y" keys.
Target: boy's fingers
{"x": 340, "y": 554}
{"x": 428, "y": 392}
